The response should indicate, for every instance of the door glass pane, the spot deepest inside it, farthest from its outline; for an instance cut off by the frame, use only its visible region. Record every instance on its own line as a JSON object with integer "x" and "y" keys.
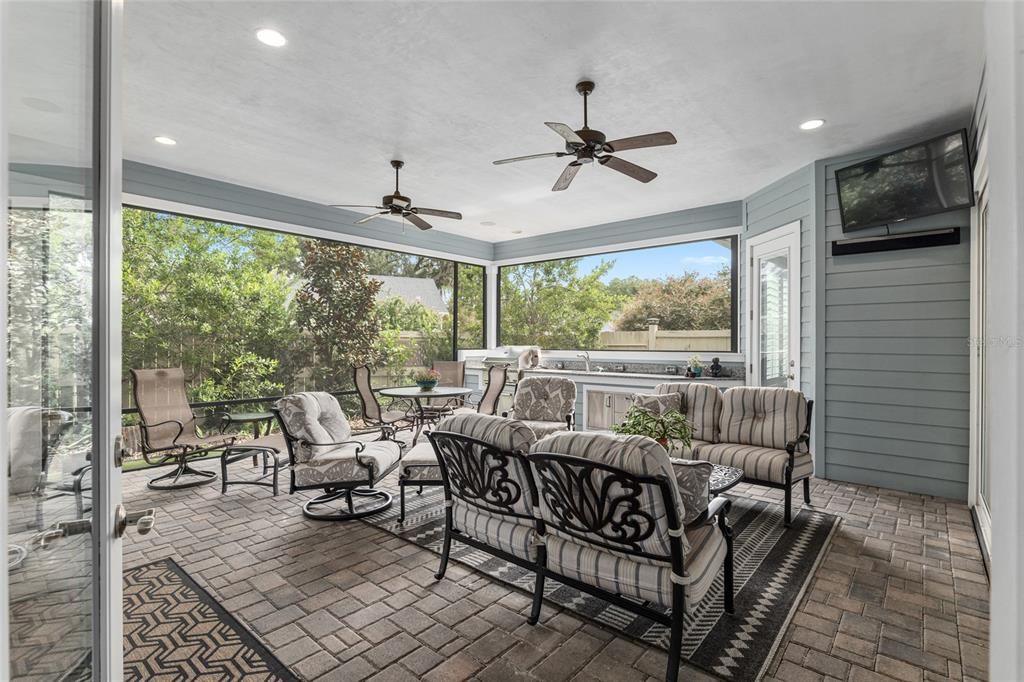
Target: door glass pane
{"x": 48, "y": 98}
{"x": 983, "y": 467}
{"x": 773, "y": 272}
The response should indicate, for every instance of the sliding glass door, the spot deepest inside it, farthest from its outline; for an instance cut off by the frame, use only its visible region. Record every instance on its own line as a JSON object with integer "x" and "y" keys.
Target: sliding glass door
{"x": 60, "y": 270}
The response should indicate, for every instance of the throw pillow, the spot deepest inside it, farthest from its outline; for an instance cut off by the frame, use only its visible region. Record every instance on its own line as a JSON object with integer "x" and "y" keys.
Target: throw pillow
{"x": 657, "y": 403}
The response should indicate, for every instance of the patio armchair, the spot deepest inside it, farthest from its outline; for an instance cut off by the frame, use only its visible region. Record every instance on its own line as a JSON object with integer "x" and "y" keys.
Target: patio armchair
{"x": 766, "y": 433}
{"x": 325, "y": 455}
{"x": 373, "y": 414}
{"x": 615, "y": 526}
{"x": 489, "y": 492}
{"x": 171, "y": 430}
{"x": 419, "y": 466}
{"x": 545, "y": 404}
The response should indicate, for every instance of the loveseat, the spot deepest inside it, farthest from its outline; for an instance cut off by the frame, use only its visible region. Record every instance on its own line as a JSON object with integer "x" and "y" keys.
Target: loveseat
{"x": 763, "y": 431}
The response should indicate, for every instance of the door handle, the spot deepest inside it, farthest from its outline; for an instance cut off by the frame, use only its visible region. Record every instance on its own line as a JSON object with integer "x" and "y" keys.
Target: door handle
{"x": 791, "y": 377}
{"x": 142, "y": 520}
{"x": 61, "y": 529}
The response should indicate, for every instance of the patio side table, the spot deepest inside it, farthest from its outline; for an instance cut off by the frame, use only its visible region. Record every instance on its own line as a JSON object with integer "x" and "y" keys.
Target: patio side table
{"x": 723, "y": 478}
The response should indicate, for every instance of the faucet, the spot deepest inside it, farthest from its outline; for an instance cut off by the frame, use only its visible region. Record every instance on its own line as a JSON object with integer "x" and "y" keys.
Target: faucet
{"x": 586, "y": 359}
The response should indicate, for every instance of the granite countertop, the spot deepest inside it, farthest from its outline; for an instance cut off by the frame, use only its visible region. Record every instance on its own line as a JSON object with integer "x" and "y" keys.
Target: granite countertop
{"x": 628, "y": 375}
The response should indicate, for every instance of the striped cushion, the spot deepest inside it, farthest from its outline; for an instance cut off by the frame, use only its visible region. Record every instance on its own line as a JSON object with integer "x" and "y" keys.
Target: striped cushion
{"x": 420, "y": 464}
{"x": 676, "y": 448}
{"x": 769, "y": 417}
{"x": 508, "y": 533}
{"x": 647, "y": 580}
{"x": 499, "y": 480}
{"x": 504, "y": 434}
{"x": 634, "y": 454}
{"x": 762, "y": 464}
{"x": 702, "y": 404}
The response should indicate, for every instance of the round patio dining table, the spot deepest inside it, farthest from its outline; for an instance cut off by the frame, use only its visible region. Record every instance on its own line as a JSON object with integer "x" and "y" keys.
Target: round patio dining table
{"x": 417, "y": 395}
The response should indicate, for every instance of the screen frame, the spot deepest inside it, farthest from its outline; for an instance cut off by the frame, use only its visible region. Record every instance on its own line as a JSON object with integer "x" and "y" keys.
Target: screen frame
{"x": 968, "y": 172}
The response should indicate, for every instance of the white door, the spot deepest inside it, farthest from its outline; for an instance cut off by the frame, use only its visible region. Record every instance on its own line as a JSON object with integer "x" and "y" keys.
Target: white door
{"x": 773, "y": 338}
{"x": 60, "y": 597}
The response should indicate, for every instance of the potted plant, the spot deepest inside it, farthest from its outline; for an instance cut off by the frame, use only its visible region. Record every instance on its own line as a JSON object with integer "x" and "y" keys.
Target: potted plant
{"x": 670, "y": 425}
{"x": 426, "y": 379}
{"x": 696, "y": 366}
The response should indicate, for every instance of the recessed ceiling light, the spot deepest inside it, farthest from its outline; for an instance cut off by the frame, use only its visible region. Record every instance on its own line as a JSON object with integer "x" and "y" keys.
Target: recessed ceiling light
{"x": 269, "y": 36}
{"x": 517, "y": 231}
{"x": 813, "y": 124}
{"x": 488, "y": 223}
{"x": 163, "y": 139}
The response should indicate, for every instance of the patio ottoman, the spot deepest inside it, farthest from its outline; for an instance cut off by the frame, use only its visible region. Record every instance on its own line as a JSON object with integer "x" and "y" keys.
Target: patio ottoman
{"x": 419, "y": 468}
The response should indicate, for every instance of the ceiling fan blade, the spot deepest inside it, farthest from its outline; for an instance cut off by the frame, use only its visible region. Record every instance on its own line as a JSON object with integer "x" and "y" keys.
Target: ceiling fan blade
{"x": 417, "y": 221}
{"x": 438, "y": 212}
{"x": 641, "y": 141}
{"x": 568, "y": 133}
{"x": 625, "y": 167}
{"x": 353, "y": 206}
{"x": 566, "y": 177}
{"x": 370, "y": 217}
{"x": 527, "y": 158}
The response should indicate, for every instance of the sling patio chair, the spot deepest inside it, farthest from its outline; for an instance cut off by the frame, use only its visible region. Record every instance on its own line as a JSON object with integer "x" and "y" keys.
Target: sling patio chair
{"x": 171, "y": 431}
{"x": 453, "y": 373}
{"x": 373, "y": 414}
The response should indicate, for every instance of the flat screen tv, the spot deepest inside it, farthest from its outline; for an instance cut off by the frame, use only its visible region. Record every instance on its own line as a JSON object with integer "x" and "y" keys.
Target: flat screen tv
{"x": 923, "y": 179}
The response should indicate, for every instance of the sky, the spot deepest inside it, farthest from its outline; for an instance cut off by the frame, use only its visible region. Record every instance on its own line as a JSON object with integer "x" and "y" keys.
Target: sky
{"x": 704, "y": 258}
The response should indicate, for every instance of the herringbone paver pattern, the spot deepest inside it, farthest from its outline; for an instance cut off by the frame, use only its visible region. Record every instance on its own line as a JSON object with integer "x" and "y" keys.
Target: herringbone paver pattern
{"x": 902, "y": 594}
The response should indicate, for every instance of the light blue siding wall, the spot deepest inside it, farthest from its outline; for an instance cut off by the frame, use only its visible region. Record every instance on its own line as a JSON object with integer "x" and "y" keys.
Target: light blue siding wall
{"x": 612, "y": 235}
{"x": 780, "y": 203}
{"x": 167, "y": 185}
{"x": 892, "y": 339}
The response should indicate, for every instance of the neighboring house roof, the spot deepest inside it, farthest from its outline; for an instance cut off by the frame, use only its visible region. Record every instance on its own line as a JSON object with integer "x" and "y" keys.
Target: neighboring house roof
{"x": 412, "y": 290}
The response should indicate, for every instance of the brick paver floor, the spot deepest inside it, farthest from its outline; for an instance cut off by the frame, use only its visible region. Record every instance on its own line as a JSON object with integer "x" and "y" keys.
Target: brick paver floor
{"x": 902, "y": 594}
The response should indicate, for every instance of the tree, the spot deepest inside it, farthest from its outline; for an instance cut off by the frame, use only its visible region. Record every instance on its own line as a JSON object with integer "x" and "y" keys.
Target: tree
{"x": 552, "y": 305}
{"x": 686, "y": 302}
{"x": 336, "y": 308}
{"x": 471, "y": 306}
{"x": 203, "y": 295}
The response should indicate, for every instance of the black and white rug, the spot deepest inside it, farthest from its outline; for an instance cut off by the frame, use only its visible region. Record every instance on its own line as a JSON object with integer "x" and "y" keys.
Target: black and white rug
{"x": 772, "y": 564}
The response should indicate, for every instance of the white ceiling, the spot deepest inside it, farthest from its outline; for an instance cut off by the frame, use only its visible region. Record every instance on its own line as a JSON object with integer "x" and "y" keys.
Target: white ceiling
{"x": 449, "y": 87}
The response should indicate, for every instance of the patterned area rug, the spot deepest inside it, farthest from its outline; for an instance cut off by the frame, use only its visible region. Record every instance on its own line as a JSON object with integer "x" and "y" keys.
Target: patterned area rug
{"x": 174, "y": 630}
{"x": 773, "y": 566}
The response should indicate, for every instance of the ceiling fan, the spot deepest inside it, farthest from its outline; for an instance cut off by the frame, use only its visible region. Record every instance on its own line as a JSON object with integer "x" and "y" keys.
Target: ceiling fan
{"x": 590, "y": 145}
{"x": 398, "y": 205}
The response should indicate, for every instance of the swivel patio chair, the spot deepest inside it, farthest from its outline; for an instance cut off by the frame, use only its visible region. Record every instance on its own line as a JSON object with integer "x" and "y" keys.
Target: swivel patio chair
{"x": 171, "y": 431}
{"x": 324, "y": 455}
{"x": 419, "y": 466}
{"x": 617, "y": 525}
{"x": 545, "y": 404}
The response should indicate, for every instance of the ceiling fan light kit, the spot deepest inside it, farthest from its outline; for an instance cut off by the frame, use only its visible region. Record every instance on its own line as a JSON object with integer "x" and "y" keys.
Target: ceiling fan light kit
{"x": 589, "y": 145}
